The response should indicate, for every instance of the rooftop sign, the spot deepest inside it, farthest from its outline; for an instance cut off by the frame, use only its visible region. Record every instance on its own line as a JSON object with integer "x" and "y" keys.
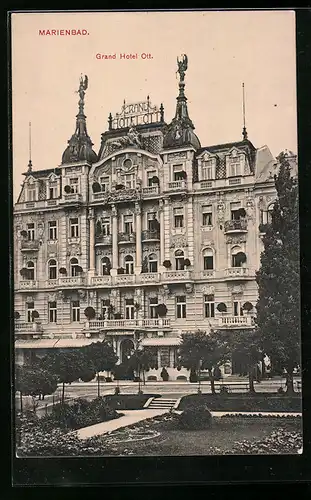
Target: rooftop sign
{"x": 140, "y": 113}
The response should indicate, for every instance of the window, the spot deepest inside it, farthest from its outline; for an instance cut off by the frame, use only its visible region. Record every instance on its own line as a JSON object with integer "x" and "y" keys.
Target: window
{"x": 74, "y": 227}
{"x": 52, "y": 269}
{"x": 235, "y": 167}
{"x": 179, "y": 260}
{"x": 178, "y": 217}
{"x": 129, "y": 309}
{"x": 207, "y": 170}
{"x": 237, "y": 257}
{"x": 207, "y": 219}
{"x": 74, "y": 267}
{"x": 31, "y": 270}
{"x": 164, "y": 357}
{"x": 74, "y": 184}
{"x": 106, "y": 266}
{"x": 31, "y": 231}
{"x": 209, "y": 306}
{"x": 52, "y": 312}
{"x": 208, "y": 259}
{"x": 269, "y": 213}
{"x": 261, "y": 217}
{"x": 106, "y": 309}
{"x": 129, "y": 264}
{"x": 106, "y": 226}
{"x": 30, "y": 308}
{"x": 52, "y": 230}
{"x": 177, "y": 173}
{"x": 75, "y": 310}
{"x": 235, "y": 210}
{"x": 153, "y": 302}
{"x": 53, "y": 191}
{"x": 104, "y": 183}
{"x": 150, "y": 175}
{"x": 31, "y": 193}
{"x": 128, "y": 224}
{"x": 181, "y": 306}
{"x": 129, "y": 181}
{"x": 153, "y": 263}
{"x": 237, "y": 308}
{"x": 151, "y": 218}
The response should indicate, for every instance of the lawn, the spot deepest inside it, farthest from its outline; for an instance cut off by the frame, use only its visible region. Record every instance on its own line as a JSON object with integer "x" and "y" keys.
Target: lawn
{"x": 221, "y": 439}
{"x": 243, "y": 402}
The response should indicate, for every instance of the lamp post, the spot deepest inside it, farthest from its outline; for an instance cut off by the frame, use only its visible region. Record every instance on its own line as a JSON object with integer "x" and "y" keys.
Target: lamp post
{"x": 139, "y": 349}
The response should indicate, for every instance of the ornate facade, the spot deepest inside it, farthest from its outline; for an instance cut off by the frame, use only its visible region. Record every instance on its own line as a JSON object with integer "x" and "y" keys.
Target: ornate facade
{"x": 156, "y": 233}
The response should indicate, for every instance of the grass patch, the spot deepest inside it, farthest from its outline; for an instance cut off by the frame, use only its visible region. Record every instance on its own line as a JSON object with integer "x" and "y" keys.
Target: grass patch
{"x": 128, "y": 401}
{"x": 247, "y": 402}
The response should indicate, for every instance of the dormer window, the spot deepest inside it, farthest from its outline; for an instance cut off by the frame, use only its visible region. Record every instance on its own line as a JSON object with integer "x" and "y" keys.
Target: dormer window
{"x": 235, "y": 167}
{"x": 31, "y": 193}
{"x": 53, "y": 190}
{"x": 207, "y": 170}
{"x": 104, "y": 183}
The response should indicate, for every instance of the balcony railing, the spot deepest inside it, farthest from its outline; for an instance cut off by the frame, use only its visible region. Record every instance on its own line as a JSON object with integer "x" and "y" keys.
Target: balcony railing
{"x": 236, "y": 321}
{"x": 100, "y": 195}
{"x": 124, "y": 279}
{"x": 29, "y": 245}
{"x": 206, "y": 274}
{"x": 72, "y": 197}
{"x": 239, "y": 225}
{"x": 150, "y": 190}
{"x": 101, "y": 280}
{"x": 101, "y": 239}
{"x": 128, "y": 323}
{"x": 238, "y": 272}
{"x": 126, "y": 237}
{"x": 28, "y": 284}
{"x": 177, "y": 275}
{"x": 177, "y": 185}
{"x": 71, "y": 281}
{"x": 148, "y": 278}
{"x": 148, "y": 235}
{"x": 23, "y": 327}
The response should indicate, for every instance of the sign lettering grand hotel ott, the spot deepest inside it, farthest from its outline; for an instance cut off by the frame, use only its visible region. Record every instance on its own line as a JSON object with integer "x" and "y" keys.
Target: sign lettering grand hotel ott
{"x": 141, "y": 113}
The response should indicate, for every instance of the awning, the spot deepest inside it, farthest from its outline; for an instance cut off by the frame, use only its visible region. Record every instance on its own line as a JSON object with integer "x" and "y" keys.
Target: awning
{"x": 50, "y": 343}
{"x": 165, "y": 341}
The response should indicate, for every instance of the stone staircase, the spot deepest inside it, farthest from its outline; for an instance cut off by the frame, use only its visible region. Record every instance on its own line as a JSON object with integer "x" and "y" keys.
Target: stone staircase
{"x": 161, "y": 404}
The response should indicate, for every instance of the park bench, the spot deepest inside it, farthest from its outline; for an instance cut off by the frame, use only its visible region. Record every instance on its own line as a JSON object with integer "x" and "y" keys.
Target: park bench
{"x": 231, "y": 388}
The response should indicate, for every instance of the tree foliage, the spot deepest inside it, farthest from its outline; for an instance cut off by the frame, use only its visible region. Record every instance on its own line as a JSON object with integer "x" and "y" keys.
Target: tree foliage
{"x": 278, "y": 306}
{"x": 34, "y": 381}
{"x": 101, "y": 357}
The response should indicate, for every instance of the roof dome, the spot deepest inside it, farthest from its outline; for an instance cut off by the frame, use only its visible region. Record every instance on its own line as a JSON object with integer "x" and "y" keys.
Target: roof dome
{"x": 180, "y": 134}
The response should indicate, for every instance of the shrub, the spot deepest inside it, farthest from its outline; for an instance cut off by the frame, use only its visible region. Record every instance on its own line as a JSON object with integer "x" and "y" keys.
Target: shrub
{"x": 281, "y": 390}
{"x": 90, "y": 312}
{"x": 108, "y": 379}
{"x": 117, "y": 390}
{"x": 161, "y": 310}
{"x": 222, "y": 307}
{"x": 193, "y": 377}
{"x": 167, "y": 264}
{"x": 187, "y": 262}
{"x": 195, "y": 419}
{"x": 67, "y": 189}
{"x": 181, "y": 377}
{"x": 217, "y": 373}
{"x": 224, "y": 390}
{"x": 96, "y": 187}
{"x": 164, "y": 375}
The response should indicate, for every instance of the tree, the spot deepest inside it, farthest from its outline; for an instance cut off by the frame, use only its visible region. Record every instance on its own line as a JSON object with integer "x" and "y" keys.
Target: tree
{"x": 34, "y": 381}
{"x": 68, "y": 365}
{"x": 247, "y": 345}
{"x": 201, "y": 350}
{"x": 142, "y": 360}
{"x": 278, "y": 306}
{"x": 102, "y": 357}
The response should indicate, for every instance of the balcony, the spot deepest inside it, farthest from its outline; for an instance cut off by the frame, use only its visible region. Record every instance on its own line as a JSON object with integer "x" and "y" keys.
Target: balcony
{"x": 28, "y": 285}
{"x": 72, "y": 198}
{"x": 100, "y": 195}
{"x": 148, "y": 278}
{"x": 101, "y": 281}
{"x": 177, "y": 186}
{"x": 101, "y": 240}
{"x": 128, "y": 324}
{"x": 150, "y": 191}
{"x": 236, "y": 322}
{"x": 148, "y": 235}
{"x": 71, "y": 281}
{"x": 206, "y": 274}
{"x": 51, "y": 283}
{"x": 236, "y": 226}
{"x": 127, "y": 237}
{"x": 51, "y": 202}
{"x": 30, "y": 245}
{"x": 23, "y": 328}
{"x": 124, "y": 279}
{"x": 116, "y": 196}
{"x": 238, "y": 273}
{"x": 177, "y": 276}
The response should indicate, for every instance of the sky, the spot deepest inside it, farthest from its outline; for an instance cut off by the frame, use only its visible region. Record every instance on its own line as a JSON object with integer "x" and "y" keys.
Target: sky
{"x": 224, "y": 49}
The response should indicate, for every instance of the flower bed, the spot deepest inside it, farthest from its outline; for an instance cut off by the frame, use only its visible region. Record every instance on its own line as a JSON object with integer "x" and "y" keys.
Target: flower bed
{"x": 261, "y": 403}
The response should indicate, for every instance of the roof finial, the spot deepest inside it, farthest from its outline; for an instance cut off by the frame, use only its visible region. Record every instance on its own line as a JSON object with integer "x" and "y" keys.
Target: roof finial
{"x": 244, "y": 131}
{"x": 82, "y": 88}
{"x": 30, "y": 162}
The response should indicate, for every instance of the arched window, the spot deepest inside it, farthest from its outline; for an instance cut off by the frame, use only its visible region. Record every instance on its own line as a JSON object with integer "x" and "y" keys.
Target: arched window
{"x": 153, "y": 263}
{"x": 52, "y": 265}
{"x": 73, "y": 266}
{"x": 31, "y": 270}
{"x": 208, "y": 259}
{"x": 269, "y": 213}
{"x": 129, "y": 264}
{"x": 105, "y": 266}
{"x": 238, "y": 257}
{"x": 179, "y": 260}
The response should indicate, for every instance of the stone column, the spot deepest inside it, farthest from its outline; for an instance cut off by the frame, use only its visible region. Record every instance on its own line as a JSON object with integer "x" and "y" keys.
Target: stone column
{"x": 162, "y": 237}
{"x": 138, "y": 238}
{"x": 115, "y": 250}
{"x": 91, "y": 243}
